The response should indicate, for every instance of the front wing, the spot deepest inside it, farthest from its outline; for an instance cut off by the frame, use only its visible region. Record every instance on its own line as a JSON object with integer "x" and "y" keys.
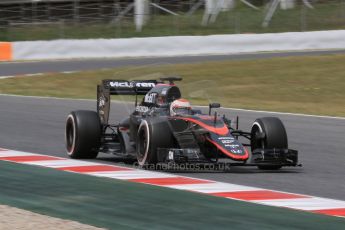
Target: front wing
{"x": 260, "y": 157}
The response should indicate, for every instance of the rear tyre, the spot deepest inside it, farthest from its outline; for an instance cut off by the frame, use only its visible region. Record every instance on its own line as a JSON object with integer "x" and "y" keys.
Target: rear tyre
{"x": 83, "y": 134}
{"x": 152, "y": 135}
{"x": 268, "y": 132}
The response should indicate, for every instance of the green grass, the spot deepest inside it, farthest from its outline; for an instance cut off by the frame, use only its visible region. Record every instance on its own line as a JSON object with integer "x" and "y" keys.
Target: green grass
{"x": 241, "y": 20}
{"x": 312, "y": 85}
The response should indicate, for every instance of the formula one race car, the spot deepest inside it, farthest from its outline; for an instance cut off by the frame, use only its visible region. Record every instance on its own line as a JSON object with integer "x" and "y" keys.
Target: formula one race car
{"x": 165, "y": 129}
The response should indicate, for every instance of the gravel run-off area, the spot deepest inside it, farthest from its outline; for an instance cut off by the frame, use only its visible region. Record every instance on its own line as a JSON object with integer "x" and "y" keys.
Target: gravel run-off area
{"x": 14, "y": 218}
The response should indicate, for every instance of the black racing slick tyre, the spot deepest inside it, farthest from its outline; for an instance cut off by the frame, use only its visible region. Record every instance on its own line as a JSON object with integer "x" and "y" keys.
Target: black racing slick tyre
{"x": 83, "y": 134}
{"x": 151, "y": 136}
{"x": 269, "y": 133}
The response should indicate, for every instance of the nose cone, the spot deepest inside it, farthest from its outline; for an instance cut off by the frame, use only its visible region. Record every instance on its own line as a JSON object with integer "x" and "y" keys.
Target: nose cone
{"x": 229, "y": 146}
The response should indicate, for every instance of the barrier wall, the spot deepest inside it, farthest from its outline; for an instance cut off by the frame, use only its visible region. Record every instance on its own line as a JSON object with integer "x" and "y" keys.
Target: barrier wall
{"x": 172, "y": 46}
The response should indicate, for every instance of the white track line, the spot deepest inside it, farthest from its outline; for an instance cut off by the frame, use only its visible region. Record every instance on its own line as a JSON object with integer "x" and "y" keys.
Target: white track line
{"x": 284, "y": 113}
{"x": 201, "y": 106}
{"x": 5, "y": 77}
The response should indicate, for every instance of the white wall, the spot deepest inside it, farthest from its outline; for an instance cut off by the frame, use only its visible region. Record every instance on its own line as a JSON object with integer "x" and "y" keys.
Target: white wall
{"x": 179, "y": 45}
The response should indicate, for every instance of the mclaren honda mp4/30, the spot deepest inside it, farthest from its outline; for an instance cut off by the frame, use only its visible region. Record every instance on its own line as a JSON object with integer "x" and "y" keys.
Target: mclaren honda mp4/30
{"x": 164, "y": 128}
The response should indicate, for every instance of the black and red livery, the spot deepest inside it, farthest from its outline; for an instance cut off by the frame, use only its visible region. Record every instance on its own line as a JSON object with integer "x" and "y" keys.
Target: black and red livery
{"x": 151, "y": 135}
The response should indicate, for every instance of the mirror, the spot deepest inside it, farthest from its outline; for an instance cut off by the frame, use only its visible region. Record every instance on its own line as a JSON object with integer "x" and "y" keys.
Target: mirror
{"x": 213, "y": 106}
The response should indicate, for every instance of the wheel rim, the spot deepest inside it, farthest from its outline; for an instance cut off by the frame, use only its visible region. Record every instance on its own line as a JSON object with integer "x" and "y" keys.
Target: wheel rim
{"x": 70, "y": 134}
{"x": 255, "y": 143}
{"x": 143, "y": 143}
{"x": 260, "y": 143}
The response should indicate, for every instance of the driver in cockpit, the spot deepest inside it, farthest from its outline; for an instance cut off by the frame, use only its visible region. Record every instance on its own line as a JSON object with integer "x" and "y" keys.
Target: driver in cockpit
{"x": 180, "y": 107}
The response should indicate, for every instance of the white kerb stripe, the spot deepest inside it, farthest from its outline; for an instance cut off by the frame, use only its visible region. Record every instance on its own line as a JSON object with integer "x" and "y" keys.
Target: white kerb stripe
{"x": 213, "y": 187}
{"x": 62, "y": 163}
{"x": 313, "y": 203}
{"x": 133, "y": 174}
{"x": 11, "y": 153}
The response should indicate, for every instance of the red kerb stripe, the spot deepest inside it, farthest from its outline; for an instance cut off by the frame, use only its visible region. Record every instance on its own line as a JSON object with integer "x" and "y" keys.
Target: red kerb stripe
{"x": 332, "y": 212}
{"x": 29, "y": 158}
{"x": 170, "y": 181}
{"x": 93, "y": 168}
{"x": 258, "y": 195}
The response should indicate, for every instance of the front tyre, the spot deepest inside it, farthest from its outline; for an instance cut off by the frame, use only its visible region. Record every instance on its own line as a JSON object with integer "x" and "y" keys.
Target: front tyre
{"x": 269, "y": 133}
{"x": 152, "y": 134}
{"x": 145, "y": 153}
{"x": 83, "y": 134}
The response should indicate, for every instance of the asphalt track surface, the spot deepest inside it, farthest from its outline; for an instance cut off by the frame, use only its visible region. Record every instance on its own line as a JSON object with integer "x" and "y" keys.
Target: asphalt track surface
{"x": 22, "y": 68}
{"x": 37, "y": 125}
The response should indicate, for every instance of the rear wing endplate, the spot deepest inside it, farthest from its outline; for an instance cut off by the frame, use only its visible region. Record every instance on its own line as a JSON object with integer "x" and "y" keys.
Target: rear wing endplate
{"x": 119, "y": 87}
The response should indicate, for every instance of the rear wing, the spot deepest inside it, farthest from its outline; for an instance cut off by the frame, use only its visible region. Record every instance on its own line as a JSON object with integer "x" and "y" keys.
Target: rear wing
{"x": 119, "y": 87}
{"x": 122, "y": 87}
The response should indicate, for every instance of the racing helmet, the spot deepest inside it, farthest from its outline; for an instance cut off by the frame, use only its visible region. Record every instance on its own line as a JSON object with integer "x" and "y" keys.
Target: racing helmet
{"x": 180, "y": 107}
